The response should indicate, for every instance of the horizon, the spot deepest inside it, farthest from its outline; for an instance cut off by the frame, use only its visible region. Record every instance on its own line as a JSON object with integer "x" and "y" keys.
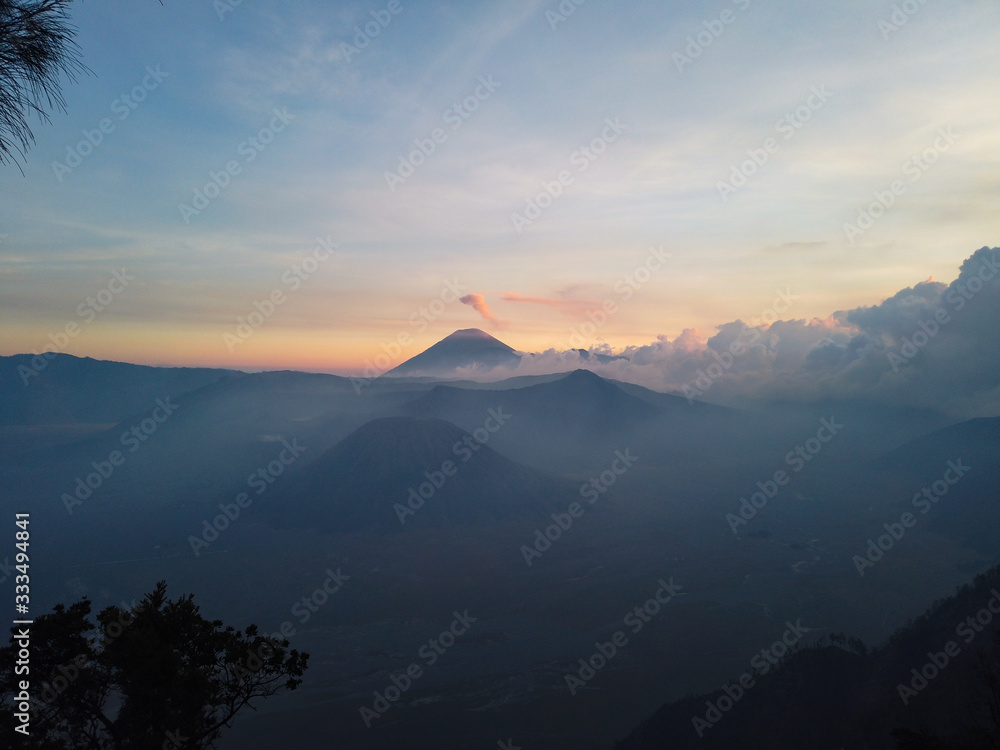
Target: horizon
{"x": 717, "y": 168}
{"x": 806, "y": 360}
{"x": 62, "y": 341}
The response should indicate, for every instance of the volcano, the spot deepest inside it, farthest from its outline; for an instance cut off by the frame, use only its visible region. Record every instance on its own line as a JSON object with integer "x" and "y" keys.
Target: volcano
{"x": 400, "y": 473}
{"x": 469, "y": 348}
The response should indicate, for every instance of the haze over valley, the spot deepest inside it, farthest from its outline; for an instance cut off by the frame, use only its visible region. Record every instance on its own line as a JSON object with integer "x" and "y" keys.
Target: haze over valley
{"x": 544, "y": 506}
{"x": 551, "y": 375}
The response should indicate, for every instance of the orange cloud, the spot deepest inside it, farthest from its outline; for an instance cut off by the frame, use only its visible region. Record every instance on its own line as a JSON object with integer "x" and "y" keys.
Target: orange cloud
{"x": 478, "y": 303}
{"x": 572, "y": 307}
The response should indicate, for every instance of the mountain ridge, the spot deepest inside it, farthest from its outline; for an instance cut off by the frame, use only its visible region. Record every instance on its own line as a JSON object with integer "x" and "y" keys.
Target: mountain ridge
{"x": 394, "y": 474}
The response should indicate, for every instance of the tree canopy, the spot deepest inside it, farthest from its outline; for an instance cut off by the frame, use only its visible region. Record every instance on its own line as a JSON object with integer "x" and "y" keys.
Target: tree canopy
{"x": 36, "y": 51}
{"x": 158, "y": 675}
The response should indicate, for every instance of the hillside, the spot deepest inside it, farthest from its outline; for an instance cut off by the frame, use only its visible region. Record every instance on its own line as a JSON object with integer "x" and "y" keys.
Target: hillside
{"x": 397, "y": 474}
{"x": 834, "y": 696}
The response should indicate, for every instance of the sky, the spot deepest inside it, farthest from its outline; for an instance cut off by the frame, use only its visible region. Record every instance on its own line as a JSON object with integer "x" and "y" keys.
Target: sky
{"x": 308, "y": 185}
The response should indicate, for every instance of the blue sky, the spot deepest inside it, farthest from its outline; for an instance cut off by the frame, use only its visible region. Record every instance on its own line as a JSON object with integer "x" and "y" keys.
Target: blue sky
{"x": 889, "y": 92}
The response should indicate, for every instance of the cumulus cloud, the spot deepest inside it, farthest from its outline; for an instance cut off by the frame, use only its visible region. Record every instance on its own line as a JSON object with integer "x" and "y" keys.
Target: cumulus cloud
{"x": 932, "y": 345}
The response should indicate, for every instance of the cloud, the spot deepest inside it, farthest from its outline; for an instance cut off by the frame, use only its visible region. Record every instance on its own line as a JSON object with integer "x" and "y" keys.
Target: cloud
{"x": 930, "y": 346}
{"x": 478, "y": 303}
{"x": 571, "y": 307}
{"x": 796, "y": 247}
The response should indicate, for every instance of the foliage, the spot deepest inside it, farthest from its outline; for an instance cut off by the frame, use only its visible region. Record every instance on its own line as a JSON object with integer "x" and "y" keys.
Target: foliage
{"x": 157, "y": 676}
{"x": 36, "y": 50}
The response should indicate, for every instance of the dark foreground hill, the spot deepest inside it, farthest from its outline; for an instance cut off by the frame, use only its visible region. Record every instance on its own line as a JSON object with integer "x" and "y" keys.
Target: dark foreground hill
{"x": 927, "y": 688}
{"x": 401, "y": 473}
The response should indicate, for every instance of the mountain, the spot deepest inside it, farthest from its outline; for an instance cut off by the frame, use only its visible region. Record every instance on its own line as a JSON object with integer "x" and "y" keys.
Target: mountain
{"x": 969, "y": 510}
{"x": 468, "y": 348}
{"x": 72, "y": 390}
{"x": 977, "y": 441}
{"x": 398, "y": 473}
{"x": 843, "y": 695}
{"x": 579, "y": 400}
{"x": 602, "y": 358}
{"x": 219, "y": 432}
{"x": 579, "y": 419}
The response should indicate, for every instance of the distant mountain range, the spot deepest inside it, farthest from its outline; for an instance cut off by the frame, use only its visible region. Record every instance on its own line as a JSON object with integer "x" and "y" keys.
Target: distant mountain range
{"x": 67, "y": 389}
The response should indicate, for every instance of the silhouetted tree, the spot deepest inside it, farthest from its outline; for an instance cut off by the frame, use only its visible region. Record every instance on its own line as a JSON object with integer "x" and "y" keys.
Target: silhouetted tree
{"x": 156, "y": 676}
{"x": 36, "y": 50}
{"x": 989, "y": 671}
{"x": 982, "y": 704}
